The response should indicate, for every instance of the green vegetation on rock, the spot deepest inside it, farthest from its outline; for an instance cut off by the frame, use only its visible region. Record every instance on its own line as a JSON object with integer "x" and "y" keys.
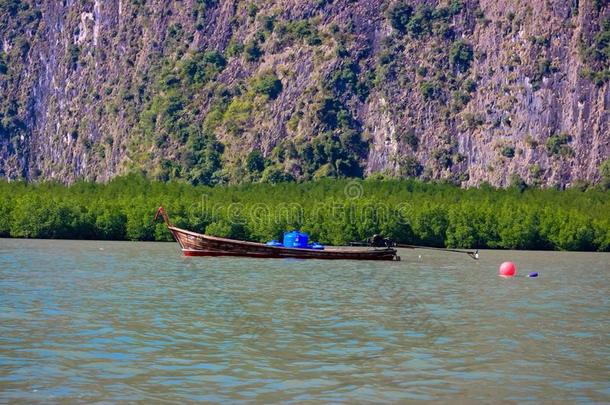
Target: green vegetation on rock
{"x": 399, "y": 15}
{"x": 558, "y": 145}
{"x": 461, "y": 55}
{"x": 604, "y": 171}
{"x": 597, "y": 54}
{"x": 267, "y": 84}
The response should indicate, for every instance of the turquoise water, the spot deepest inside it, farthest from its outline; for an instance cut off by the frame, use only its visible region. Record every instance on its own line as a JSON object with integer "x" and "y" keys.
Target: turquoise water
{"x": 123, "y": 322}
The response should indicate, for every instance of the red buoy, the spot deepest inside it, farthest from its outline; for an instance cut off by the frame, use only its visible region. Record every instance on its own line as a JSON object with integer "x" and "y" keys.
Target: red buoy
{"x": 508, "y": 269}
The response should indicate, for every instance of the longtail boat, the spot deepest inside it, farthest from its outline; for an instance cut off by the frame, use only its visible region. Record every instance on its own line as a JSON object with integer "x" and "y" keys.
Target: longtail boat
{"x": 197, "y": 244}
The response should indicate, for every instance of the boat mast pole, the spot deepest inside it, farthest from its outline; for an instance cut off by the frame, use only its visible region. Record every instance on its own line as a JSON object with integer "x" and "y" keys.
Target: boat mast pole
{"x": 162, "y": 212}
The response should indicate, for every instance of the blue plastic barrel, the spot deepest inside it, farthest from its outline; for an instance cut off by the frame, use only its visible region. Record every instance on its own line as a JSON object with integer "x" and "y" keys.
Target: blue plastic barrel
{"x": 289, "y": 238}
{"x": 301, "y": 240}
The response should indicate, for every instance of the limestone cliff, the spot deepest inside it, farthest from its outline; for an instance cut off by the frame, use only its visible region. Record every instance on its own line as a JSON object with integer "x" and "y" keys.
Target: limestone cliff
{"x": 214, "y": 91}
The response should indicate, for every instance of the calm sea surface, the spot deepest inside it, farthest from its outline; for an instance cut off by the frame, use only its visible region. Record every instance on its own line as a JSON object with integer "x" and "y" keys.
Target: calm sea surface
{"x": 125, "y": 322}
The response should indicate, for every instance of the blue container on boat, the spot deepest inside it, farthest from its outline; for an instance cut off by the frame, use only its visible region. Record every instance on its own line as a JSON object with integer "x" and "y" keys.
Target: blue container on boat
{"x": 301, "y": 240}
{"x": 289, "y": 238}
{"x": 296, "y": 239}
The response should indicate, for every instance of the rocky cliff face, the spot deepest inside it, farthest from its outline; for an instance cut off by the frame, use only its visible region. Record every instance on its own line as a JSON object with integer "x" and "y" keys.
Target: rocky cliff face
{"x": 215, "y": 91}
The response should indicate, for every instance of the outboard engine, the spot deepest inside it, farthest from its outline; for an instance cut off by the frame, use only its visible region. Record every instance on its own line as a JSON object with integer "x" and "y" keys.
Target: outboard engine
{"x": 379, "y": 241}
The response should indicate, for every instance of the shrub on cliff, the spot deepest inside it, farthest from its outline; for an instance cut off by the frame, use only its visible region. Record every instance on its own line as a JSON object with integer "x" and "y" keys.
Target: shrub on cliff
{"x": 596, "y": 55}
{"x": 420, "y": 23}
{"x": 429, "y": 90}
{"x": 508, "y": 151}
{"x": 399, "y": 15}
{"x": 3, "y": 64}
{"x": 12, "y": 6}
{"x": 202, "y": 66}
{"x": 301, "y": 30}
{"x": 255, "y": 163}
{"x": 267, "y": 84}
{"x": 558, "y": 145}
{"x": 252, "y": 51}
{"x": 461, "y": 55}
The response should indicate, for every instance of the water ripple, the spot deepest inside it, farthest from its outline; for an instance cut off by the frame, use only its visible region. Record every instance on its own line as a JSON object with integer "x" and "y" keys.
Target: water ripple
{"x": 138, "y": 322}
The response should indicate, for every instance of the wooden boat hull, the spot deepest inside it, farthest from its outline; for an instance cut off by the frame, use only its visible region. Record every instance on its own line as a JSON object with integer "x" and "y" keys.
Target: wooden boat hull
{"x": 196, "y": 244}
